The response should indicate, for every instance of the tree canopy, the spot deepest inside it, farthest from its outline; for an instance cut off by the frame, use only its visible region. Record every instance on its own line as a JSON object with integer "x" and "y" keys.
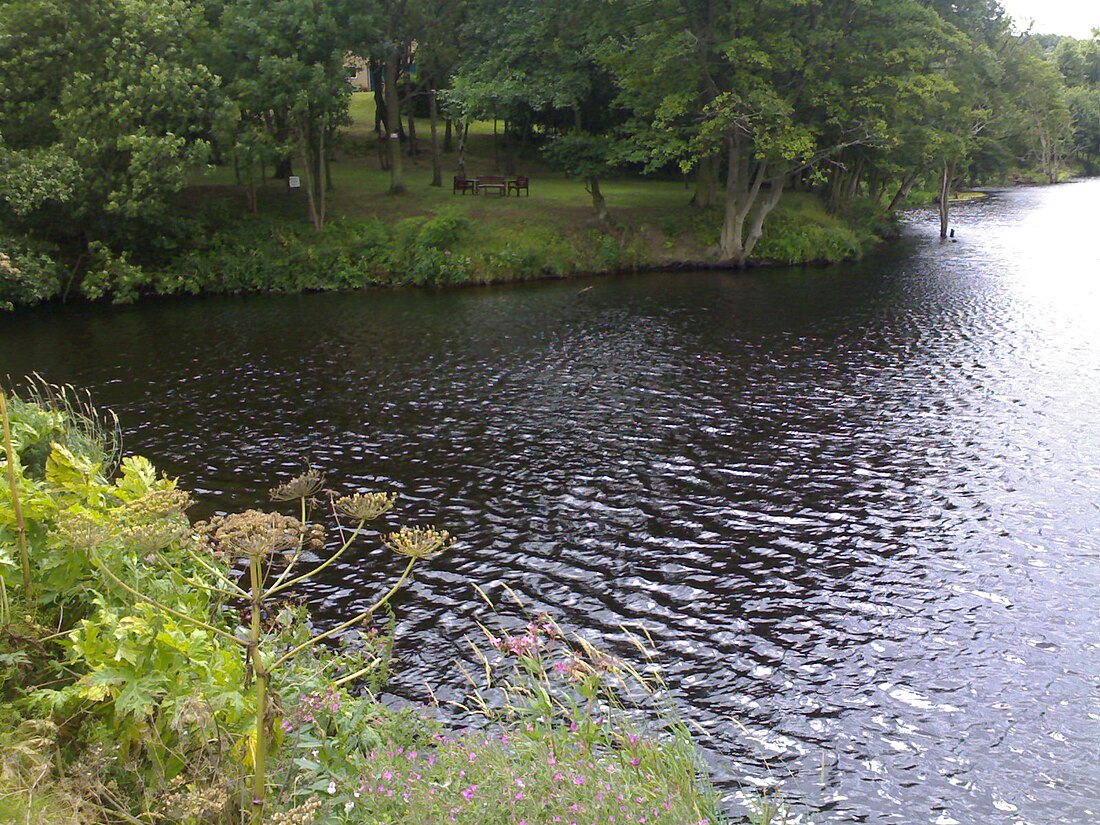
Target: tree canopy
{"x": 108, "y": 106}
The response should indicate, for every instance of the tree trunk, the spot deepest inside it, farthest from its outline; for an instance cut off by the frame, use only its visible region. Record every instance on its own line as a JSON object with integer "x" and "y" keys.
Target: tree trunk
{"x": 437, "y": 163}
{"x": 903, "y": 191}
{"x": 393, "y": 119}
{"x": 763, "y": 208}
{"x": 706, "y": 183}
{"x": 312, "y": 164}
{"x": 509, "y": 149}
{"x": 318, "y": 172}
{"x": 377, "y": 82}
{"x": 853, "y": 183}
{"x": 414, "y": 147}
{"x": 592, "y": 184}
{"x": 330, "y": 139}
{"x": 448, "y": 145}
{"x": 945, "y": 194}
{"x": 463, "y": 131}
{"x": 744, "y": 180}
{"x": 496, "y": 148}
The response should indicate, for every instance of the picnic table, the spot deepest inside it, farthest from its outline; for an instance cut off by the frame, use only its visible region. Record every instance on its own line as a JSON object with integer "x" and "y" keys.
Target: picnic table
{"x": 491, "y": 183}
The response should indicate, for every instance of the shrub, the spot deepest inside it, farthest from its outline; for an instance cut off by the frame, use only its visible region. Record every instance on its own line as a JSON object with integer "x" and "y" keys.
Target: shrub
{"x": 28, "y": 272}
{"x": 790, "y": 239}
{"x": 113, "y": 275}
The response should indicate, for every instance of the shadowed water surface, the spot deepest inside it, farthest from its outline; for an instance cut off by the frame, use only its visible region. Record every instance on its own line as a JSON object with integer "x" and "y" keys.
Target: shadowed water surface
{"x": 855, "y": 507}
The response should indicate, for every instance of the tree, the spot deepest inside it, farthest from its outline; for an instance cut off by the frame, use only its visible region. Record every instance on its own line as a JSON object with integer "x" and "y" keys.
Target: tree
{"x": 768, "y": 89}
{"x": 535, "y": 63}
{"x": 1038, "y": 122}
{"x": 283, "y": 63}
{"x": 107, "y": 104}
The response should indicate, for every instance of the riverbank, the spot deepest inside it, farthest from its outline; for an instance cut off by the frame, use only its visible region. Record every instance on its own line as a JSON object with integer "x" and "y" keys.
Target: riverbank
{"x": 235, "y": 238}
{"x": 481, "y": 240}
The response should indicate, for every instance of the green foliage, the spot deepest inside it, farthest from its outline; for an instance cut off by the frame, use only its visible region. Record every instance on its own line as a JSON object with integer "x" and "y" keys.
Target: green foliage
{"x": 261, "y": 254}
{"x": 581, "y": 154}
{"x": 790, "y": 239}
{"x": 700, "y": 225}
{"x": 106, "y": 137}
{"x": 264, "y": 254}
{"x": 28, "y": 272}
{"x": 113, "y": 275}
{"x": 611, "y": 253}
{"x": 424, "y": 252}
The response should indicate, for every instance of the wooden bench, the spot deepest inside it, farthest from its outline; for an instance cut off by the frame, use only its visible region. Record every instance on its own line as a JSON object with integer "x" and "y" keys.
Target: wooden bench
{"x": 490, "y": 183}
{"x": 463, "y": 184}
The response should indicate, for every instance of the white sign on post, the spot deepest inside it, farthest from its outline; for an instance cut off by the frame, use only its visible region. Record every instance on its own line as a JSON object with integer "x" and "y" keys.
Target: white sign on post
{"x": 294, "y": 182}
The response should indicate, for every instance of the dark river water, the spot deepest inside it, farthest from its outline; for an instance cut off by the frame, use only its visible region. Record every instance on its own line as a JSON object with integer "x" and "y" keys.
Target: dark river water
{"x": 856, "y": 507}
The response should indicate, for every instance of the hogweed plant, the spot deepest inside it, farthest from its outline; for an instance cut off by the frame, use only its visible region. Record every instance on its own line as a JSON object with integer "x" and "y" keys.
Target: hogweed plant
{"x": 20, "y": 524}
{"x": 273, "y": 547}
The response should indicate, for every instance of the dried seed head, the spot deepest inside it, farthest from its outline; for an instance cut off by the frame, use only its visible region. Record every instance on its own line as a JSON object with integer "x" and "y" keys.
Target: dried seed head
{"x": 254, "y": 533}
{"x": 196, "y": 800}
{"x": 80, "y": 531}
{"x": 419, "y": 542}
{"x": 154, "y": 535}
{"x": 303, "y": 486}
{"x": 304, "y": 814}
{"x": 263, "y": 543}
{"x": 365, "y": 506}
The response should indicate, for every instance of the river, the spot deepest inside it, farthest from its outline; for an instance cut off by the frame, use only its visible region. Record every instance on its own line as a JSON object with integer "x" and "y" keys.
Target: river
{"x": 856, "y": 507}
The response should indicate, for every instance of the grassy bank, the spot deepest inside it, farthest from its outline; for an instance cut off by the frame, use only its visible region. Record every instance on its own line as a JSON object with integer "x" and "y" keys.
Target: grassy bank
{"x": 429, "y": 235}
{"x": 426, "y": 236}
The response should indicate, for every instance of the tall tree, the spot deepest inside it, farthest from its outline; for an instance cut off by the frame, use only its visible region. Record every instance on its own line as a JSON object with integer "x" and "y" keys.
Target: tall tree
{"x": 770, "y": 87}
{"x": 530, "y": 62}
{"x": 284, "y": 71}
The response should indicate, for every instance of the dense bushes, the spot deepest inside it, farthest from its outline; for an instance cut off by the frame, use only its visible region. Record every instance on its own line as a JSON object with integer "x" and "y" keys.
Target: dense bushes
{"x": 29, "y": 272}
{"x": 802, "y": 231}
{"x": 264, "y": 253}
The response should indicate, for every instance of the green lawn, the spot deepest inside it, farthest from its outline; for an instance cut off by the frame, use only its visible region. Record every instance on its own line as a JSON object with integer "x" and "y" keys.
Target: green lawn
{"x": 362, "y": 186}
